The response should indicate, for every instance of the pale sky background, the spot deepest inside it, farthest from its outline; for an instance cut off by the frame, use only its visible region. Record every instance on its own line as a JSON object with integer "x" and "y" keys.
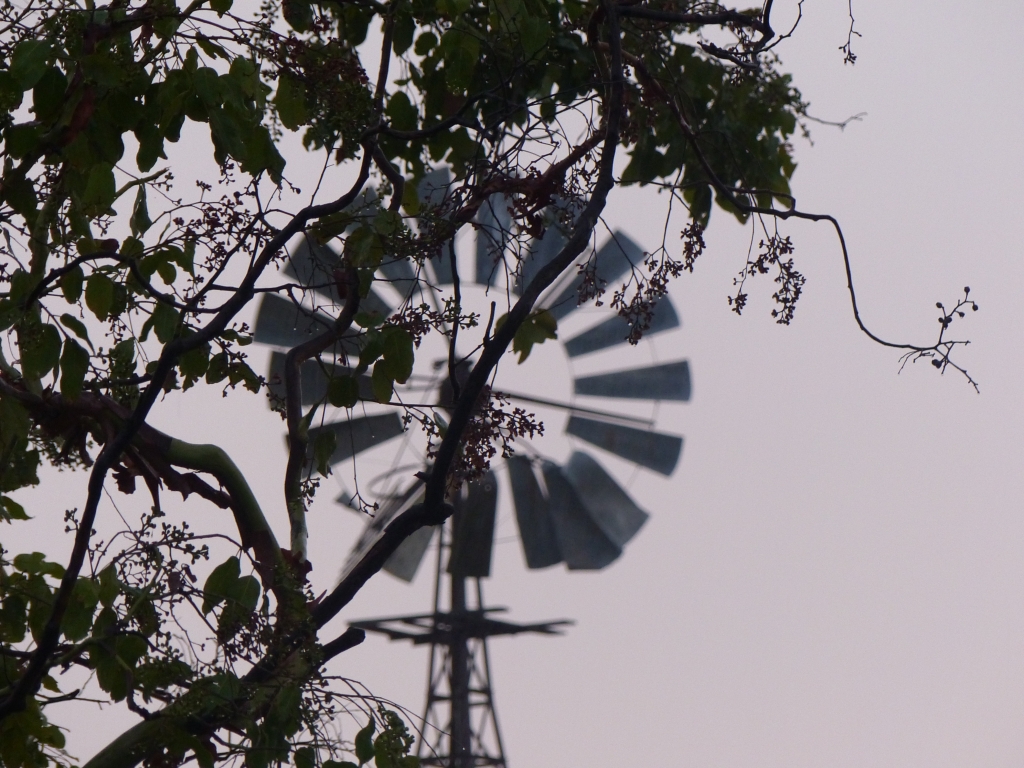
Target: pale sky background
{"x": 834, "y": 574}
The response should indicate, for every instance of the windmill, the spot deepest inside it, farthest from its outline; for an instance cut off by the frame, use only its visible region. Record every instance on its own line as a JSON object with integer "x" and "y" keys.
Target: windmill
{"x": 573, "y": 513}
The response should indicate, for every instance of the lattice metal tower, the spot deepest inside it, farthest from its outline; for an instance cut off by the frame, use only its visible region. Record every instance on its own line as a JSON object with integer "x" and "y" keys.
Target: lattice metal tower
{"x": 461, "y": 725}
{"x": 573, "y": 513}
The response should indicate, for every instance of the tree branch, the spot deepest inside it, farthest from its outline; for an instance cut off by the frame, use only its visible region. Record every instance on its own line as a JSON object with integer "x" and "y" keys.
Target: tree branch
{"x": 111, "y": 453}
{"x": 397, "y": 531}
{"x": 297, "y": 426}
{"x": 462, "y": 413}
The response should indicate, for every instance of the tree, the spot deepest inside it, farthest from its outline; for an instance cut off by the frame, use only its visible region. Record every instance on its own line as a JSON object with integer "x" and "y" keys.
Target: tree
{"x": 122, "y": 284}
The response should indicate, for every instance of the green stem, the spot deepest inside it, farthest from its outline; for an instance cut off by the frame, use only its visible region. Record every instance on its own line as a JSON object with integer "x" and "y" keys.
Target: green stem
{"x": 252, "y": 523}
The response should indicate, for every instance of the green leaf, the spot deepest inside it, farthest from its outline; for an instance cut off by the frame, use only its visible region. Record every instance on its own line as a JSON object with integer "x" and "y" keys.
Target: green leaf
{"x": 364, "y": 247}
{"x": 283, "y": 719}
{"x": 323, "y": 449}
{"x": 382, "y": 756}
{"x": 461, "y": 51}
{"x": 28, "y": 62}
{"x": 132, "y": 247}
{"x": 74, "y": 365}
{"x": 402, "y": 113}
{"x": 122, "y": 358}
{"x": 172, "y": 254}
{"x": 540, "y": 326}
{"x": 103, "y": 69}
{"x": 425, "y": 43}
{"x": 404, "y": 29}
{"x": 383, "y": 382}
{"x": 369, "y": 320}
{"x": 534, "y": 32}
{"x": 210, "y": 48}
{"x": 167, "y": 272}
{"x": 343, "y": 391}
{"x": 20, "y": 192}
{"x": 71, "y": 285}
{"x": 364, "y": 742}
{"x": 298, "y": 14}
{"x": 220, "y": 584}
{"x": 387, "y": 222}
{"x": 99, "y": 294}
{"x": 398, "y": 351}
{"x": 151, "y": 145}
{"x": 165, "y": 322}
{"x": 290, "y": 101}
{"x": 110, "y": 586}
{"x": 76, "y": 326}
{"x": 304, "y": 757}
{"x": 246, "y": 593}
{"x": 114, "y": 660}
{"x": 40, "y": 351}
{"x": 11, "y": 510}
{"x": 140, "y": 221}
{"x": 218, "y": 368}
{"x": 78, "y": 617}
{"x": 195, "y": 364}
{"x": 36, "y": 563}
{"x": 22, "y": 140}
{"x": 100, "y": 189}
{"x": 48, "y": 96}
{"x": 338, "y": 764}
{"x": 221, "y": 6}
{"x": 371, "y": 351}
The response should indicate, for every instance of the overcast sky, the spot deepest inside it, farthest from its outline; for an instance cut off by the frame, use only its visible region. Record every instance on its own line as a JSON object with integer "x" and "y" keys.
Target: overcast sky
{"x": 834, "y": 574}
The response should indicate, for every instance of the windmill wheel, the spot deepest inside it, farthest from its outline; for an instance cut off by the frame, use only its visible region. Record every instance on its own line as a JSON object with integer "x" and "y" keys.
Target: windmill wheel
{"x": 573, "y": 512}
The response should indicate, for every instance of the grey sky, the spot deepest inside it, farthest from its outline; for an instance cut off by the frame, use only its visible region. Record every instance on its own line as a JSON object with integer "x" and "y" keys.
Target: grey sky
{"x": 834, "y": 575}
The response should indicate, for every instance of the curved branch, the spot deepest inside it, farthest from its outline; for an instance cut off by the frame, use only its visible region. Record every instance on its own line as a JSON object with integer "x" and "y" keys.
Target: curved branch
{"x": 251, "y": 522}
{"x": 733, "y": 197}
{"x": 30, "y": 681}
{"x": 397, "y": 531}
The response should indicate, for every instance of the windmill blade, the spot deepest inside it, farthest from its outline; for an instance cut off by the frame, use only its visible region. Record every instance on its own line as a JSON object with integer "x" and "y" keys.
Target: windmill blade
{"x": 613, "y": 260}
{"x": 314, "y": 378}
{"x": 653, "y": 450}
{"x": 400, "y": 275}
{"x": 405, "y": 561}
{"x": 536, "y": 529}
{"x": 357, "y": 435}
{"x": 492, "y": 236}
{"x": 615, "y": 330}
{"x": 282, "y": 323}
{"x": 312, "y": 266}
{"x": 433, "y": 189}
{"x": 539, "y": 256}
{"x": 670, "y": 381}
{"x": 618, "y": 517}
{"x": 473, "y": 529}
{"x": 388, "y": 511}
{"x": 584, "y": 545}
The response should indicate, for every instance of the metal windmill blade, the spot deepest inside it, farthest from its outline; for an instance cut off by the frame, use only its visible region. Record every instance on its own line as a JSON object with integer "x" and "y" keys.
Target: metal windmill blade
{"x": 556, "y": 515}
{"x": 575, "y": 513}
